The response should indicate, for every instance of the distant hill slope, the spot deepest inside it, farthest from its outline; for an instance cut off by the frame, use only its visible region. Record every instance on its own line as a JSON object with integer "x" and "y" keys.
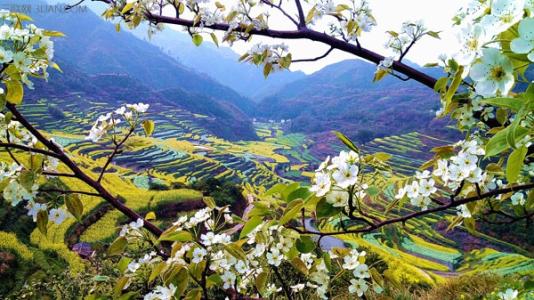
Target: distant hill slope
{"x": 96, "y": 47}
{"x": 220, "y": 64}
{"x": 343, "y": 97}
{"x": 224, "y": 119}
{"x": 93, "y": 51}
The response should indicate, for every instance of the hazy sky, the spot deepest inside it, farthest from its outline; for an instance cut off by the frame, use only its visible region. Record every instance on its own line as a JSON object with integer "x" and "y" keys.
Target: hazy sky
{"x": 390, "y": 14}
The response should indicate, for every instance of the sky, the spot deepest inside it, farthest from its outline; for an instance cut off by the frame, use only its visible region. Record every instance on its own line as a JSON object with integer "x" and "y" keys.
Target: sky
{"x": 389, "y": 14}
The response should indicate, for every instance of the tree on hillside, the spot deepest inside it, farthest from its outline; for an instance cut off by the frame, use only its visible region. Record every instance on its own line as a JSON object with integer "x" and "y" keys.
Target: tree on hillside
{"x": 274, "y": 249}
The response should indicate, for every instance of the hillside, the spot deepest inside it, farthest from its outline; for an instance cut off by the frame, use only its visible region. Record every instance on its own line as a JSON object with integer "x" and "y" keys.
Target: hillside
{"x": 95, "y": 67}
{"x": 218, "y": 63}
{"x": 343, "y": 97}
{"x": 96, "y": 47}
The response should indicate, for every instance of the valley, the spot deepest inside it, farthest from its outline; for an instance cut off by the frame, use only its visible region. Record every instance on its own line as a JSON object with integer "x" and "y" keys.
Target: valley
{"x": 158, "y": 171}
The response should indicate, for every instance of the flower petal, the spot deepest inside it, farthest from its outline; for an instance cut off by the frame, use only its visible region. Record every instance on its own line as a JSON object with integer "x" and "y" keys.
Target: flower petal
{"x": 479, "y": 71}
{"x": 521, "y": 46}
{"x": 486, "y": 88}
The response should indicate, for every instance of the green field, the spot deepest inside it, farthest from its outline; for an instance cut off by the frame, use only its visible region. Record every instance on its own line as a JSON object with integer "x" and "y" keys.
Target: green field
{"x": 180, "y": 151}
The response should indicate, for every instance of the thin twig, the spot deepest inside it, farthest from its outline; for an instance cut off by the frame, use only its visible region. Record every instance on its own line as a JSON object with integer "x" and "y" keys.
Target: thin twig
{"x": 315, "y": 58}
{"x": 419, "y": 213}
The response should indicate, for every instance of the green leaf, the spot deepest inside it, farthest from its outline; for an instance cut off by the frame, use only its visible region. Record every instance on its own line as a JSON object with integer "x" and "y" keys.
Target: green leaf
{"x": 148, "y": 126}
{"x": 305, "y": 244}
{"x": 235, "y": 251}
{"x": 194, "y": 294}
{"x": 346, "y": 141}
{"x": 74, "y": 206}
{"x": 119, "y": 285}
{"x": 379, "y": 74}
{"x": 291, "y": 211}
{"x": 393, "y": 33}
{"x": 514, "y": 104}
{"x": 267, "y": 69}
{"x": 52, "y": 33}
{"x": 501, "y": 115}
{"x": 176, "y": 236}
{"x": 261, "y": 281}
{"x": 181, "y": 8}
{"x": 117, "y": 247}
{"x": 512, "y": 131}
{"x": 382, "y": 156}
{"x": 123, "y": 263}
{"x": 325, "y": 209}
{"x": 311, "y": 14}
{"x": 434, "y": 34}
{"x": 42, "y": 221}
{"x": 197, "y": 39}
{"x": 127, "y": 7}
{"x": 456, "y": 81}
{"x": 214, "y": 39}
{"x": 300, "y": 193}
{"x": 214, "y": 280}
{"x": 156, "y": 271}
{"x": 288, "y": 190}
{"x": 250, "y": 225}
{"x": 515, "y": 163}
{"x": 210, "y": 202}
{"x": 498, "y": 143}
{"x": 441, "y": 84}
{"x": 15, "y": 92}
{"x": 299, "y": 265}
{"x": 100, "y": 278}
{"x": 277, "y": 188}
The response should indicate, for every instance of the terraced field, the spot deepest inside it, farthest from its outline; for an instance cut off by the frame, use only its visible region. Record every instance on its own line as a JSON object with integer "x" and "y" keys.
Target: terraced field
{"x": 181, "y": 151}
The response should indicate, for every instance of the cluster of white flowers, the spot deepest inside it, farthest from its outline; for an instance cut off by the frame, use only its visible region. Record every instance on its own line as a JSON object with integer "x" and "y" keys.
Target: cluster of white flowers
{"x": 399, "y": 42}
{"x": 509, "y": 294}
{"x": 350, "y": 19}
{"x": 265, "y": 248}
{"x": 449, "y": 172}
{"x": 26, "y": 47}
{"x": 133, "y": 229}
{"x": 17, "y": 188}
{"x": 337, "y": 179}
{"x": 15, "y": 192}
{"x": 410, "y": 32}
{"x": 272, "y": 54}
{"x": 518, "y": 199}
{"x": 161, "y": 293}
{"x": 105, "y": 123}
{"x": 480, "y": 22}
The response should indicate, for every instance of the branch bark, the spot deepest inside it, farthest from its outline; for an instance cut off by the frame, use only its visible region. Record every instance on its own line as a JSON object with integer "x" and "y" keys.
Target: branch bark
{"x": 419, "y": 213}
{"x": 312, "y": 35}
{"x": 62, "y": 156}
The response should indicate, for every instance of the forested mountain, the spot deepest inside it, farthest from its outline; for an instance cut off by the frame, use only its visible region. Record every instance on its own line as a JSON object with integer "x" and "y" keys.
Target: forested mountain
{"x": 93, "y": 55}
{"x": 343, "y": 97}
{"x": 219, "y": 64}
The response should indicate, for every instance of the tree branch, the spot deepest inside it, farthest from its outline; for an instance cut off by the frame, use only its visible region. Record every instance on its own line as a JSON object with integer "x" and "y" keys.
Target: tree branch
{"x": 312, "y": 35}
{"x": 279, "y": 7}
{"x": 28, "y": 149}
{"x": 419, "y": 213}
{"x": 132, "y": 215}
{"x": 302, "y": 20}
{"x": 315, "y": 58}
{"x": 59, "y": 174}
{"x": 69, "y": 192}
{"x": 115, "y": 152}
